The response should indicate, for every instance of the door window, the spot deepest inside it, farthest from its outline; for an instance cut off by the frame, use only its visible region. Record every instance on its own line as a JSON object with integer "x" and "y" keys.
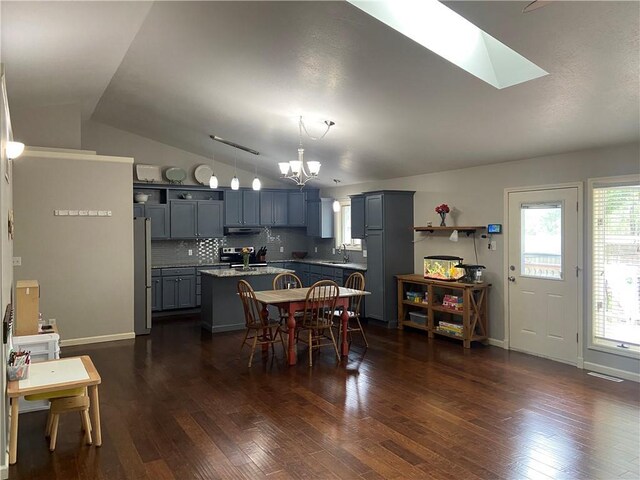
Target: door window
{"x": 541, "y": 237}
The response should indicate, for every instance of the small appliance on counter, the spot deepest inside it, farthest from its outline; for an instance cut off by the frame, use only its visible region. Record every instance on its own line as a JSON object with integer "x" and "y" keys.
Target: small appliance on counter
{"x": 233, "y": 255}
{"x": 443, "y": 267}
{"x": 472, "y": 273}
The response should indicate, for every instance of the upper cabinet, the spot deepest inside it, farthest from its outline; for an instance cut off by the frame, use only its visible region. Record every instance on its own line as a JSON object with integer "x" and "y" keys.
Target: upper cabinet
{"x": 274, "y": 207}
{"x": 297, "y": 209}
{"x": 241, "y": 208}
{"x": 320, "y": 218}
{"x": 159, "y": 215}
{"x": 373, "y": 212}
{"x": 357, "y": 216}
{"x": 196, "y": 219}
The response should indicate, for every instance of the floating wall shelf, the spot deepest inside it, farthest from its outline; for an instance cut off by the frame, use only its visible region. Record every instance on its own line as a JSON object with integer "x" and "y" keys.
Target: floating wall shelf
{"x": 469, "y": 230}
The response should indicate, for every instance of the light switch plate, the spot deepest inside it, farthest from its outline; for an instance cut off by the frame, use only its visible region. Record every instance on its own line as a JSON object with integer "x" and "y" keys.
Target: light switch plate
{"x": 281, "y": 249}
{"x": 315, "y": 249}
{"x": 494, "y": 245}
{"x": 364, "y": 253}
{"x": 190, "y": 252}
{"x": 333, "y": 251}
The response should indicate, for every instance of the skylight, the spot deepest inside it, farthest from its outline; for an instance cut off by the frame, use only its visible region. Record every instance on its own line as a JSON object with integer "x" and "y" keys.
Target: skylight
{"x": 454, "y": 38}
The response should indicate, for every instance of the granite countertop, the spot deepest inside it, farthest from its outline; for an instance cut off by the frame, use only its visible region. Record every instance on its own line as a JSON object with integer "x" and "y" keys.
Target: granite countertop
{"x": 237, "y": 272}
{"x": 193, "y": 265}
{"x": 327, "y": 263}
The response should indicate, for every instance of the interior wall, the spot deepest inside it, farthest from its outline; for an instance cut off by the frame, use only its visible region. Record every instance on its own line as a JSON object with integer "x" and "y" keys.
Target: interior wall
{"x": 84, "y": 264}
{"x": 477, "y": 195}
{"x": 107, "y": 140}
{"x": 57, "y": 126}
{"x": 6, "y": 259}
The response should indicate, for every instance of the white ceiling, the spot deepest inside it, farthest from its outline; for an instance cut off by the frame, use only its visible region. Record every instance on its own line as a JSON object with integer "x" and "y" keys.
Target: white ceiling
{"x": 246, "y": 70}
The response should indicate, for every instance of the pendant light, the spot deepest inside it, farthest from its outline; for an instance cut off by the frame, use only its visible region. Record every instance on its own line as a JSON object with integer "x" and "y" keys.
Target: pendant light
{"x": 213, "y": 181}
{"x": 256, "y": 185}
{"x": 235, "y": 183}
{"x": 336, "y": 203}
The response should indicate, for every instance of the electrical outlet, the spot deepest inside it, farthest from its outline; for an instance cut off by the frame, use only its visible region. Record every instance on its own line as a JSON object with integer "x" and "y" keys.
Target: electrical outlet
{"x": 52, "y": 321}
{"x": 493, "y": 245}
{"x": 17, "y": 261}
{"x": 315, "y": 249}
{"x": 364, "y": 253}
{"x": 281, "y": 249}
{"x": 333, "y": 251}
{"x": 190, "y": 252}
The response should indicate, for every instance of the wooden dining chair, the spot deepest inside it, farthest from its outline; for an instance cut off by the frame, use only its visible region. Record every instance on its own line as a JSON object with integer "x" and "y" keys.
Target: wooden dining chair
{"x": 355, "y": 281}
{"x": 263, "y": 331}
{"x": 317, "y": 320}
{"x": 284, "y": 281}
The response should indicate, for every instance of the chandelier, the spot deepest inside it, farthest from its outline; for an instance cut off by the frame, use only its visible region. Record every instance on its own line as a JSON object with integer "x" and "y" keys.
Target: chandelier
{"x": 295, "y": 169}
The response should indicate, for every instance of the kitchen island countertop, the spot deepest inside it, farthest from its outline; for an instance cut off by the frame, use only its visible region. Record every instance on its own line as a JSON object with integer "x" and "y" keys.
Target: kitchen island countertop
{"x": 238, "y": 272}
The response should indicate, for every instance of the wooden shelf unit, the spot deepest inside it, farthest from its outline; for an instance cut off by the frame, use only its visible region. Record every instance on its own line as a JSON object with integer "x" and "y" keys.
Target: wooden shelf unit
{"x": 473, "y": 317}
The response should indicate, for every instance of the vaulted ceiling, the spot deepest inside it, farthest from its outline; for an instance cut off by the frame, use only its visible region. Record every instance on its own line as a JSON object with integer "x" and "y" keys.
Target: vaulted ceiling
{"x": 177, "y": 72}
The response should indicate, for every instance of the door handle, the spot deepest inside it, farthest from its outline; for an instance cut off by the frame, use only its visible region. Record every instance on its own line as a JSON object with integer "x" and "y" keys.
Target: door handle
{"x": 511, "y": 278}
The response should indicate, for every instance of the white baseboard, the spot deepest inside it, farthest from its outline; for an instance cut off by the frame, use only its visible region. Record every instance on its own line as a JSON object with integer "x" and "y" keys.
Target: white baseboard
{"x": 613, "y": 372}
{"x": 498, "y": 343}
{"x": 4, "y": 469}
{"x": 99, "y": 339}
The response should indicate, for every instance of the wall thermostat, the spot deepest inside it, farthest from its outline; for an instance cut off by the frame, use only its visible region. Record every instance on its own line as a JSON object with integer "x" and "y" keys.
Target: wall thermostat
{"x": 494, "y": 228}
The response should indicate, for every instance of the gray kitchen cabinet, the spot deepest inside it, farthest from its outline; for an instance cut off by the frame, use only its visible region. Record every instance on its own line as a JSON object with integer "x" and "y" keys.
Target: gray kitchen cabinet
{"x": 374, "y": 218}
{"x": 178, "y": 292}
{"x": 196, "y": 218}
{"x": 320, "y": 218}
{"x": 156, "y": 294}
{"x": 241, "y": 208}
{"x": 273, "y": 208}
{"x": 297, "y": 209}
{"x": 357, "y": 216}
{"x": 389, "y": 250}
{"x": 183, "y": 218}
{"x": 210, "y": 215}
{"x": 138, "y": 210}
{"x": 159, "y": 216}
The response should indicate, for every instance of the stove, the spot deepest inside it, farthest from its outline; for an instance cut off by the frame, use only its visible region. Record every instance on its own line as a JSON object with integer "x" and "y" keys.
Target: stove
{"x": 233, "y": 255}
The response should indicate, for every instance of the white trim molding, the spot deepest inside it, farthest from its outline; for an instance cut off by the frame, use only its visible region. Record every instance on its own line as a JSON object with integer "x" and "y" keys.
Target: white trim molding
{"x": 613, "y": 372}
{"x": 499, "y": 343}
{"x": 99, "y": 339}
{"x": 80, "y": 155}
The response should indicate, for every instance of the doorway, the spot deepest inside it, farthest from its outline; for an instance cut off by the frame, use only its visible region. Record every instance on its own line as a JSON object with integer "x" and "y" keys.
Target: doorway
{"x": 543, "y": 252}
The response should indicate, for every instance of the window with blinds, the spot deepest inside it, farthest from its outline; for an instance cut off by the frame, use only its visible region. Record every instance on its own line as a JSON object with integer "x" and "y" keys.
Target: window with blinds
{"x": 616, "y": 264}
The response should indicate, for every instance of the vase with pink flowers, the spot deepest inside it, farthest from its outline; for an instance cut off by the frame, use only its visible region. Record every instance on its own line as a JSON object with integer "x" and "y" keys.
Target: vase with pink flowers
{"x": 442, "y": 210}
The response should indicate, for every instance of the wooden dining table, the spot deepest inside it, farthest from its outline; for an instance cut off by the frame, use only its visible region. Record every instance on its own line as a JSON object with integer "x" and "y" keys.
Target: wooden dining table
{"x": 292, "y": 300}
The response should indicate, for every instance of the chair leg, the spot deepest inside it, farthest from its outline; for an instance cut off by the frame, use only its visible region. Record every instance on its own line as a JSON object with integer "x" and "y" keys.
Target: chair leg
{"x": 54, "y": 431}
{"x": 310, "y": 348}
{"x": 284, "y": 348}
{"x": 335, "y": 345}
{"x": 364, "y": 337}
{"x": 47, "y": 432}
{"x": 86, "y": 423}
{"x": 246, "y": 334}
{"x": 253, "y": 347}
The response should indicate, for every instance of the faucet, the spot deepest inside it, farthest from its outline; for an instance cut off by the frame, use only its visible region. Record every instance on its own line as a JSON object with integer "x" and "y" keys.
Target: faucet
{"x": 345, "y": 255}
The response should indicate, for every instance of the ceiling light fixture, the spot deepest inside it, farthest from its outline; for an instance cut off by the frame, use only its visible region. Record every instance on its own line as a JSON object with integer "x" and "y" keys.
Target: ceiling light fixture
{"x": 213, "y": 181}
{"x": 14, "y": 149}
{"x": 235, "y": 183}
{"x": 295, "y": 169}
{"x": 336, "y": 204}
{"x": 453, "y": 37}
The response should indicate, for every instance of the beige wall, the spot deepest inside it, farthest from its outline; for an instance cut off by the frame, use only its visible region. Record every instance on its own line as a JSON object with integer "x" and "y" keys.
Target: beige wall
{"x": 107, "y": 140}
{"x": 84, "y": 264}
{"x": 51, "y": 126}
{"x": 477, "y": 195}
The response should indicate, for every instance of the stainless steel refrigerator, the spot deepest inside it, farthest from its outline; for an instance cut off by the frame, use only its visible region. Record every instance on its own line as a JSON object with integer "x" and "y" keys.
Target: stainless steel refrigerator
{"x": 142, "y": 275}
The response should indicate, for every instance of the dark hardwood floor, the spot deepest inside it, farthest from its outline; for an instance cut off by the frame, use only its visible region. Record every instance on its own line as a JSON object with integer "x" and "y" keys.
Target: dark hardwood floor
{"x": 182, "y": 404}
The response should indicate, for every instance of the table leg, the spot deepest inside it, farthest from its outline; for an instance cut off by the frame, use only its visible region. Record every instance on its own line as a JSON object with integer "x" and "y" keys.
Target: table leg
{"x": 291, "y": 326}
{"x": 265, "y": 332}
{"x": 13, "y": 435}
{"x": 344, "y": 318}
{"x": 95, "y": 413}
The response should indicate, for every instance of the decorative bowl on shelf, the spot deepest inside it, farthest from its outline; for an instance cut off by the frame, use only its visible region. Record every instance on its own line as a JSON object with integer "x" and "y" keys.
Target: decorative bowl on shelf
{"x": 299, "y": 255}
{"x": 140, "y": 197}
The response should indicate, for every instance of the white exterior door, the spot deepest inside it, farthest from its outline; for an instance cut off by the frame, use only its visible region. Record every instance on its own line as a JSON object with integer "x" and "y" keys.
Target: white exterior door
{"x": 543, "y": 273}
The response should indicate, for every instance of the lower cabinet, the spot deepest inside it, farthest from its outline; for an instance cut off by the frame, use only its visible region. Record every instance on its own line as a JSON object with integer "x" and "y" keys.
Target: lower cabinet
{"x": 178, "y": 292}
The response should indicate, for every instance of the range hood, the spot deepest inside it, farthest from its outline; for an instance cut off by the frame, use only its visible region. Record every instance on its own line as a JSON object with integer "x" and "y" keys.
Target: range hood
{"x": 241, "y": 230}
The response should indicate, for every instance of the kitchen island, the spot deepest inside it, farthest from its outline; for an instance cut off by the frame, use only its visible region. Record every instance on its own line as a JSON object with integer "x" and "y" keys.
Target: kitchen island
{"x": 221, "y": 307}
